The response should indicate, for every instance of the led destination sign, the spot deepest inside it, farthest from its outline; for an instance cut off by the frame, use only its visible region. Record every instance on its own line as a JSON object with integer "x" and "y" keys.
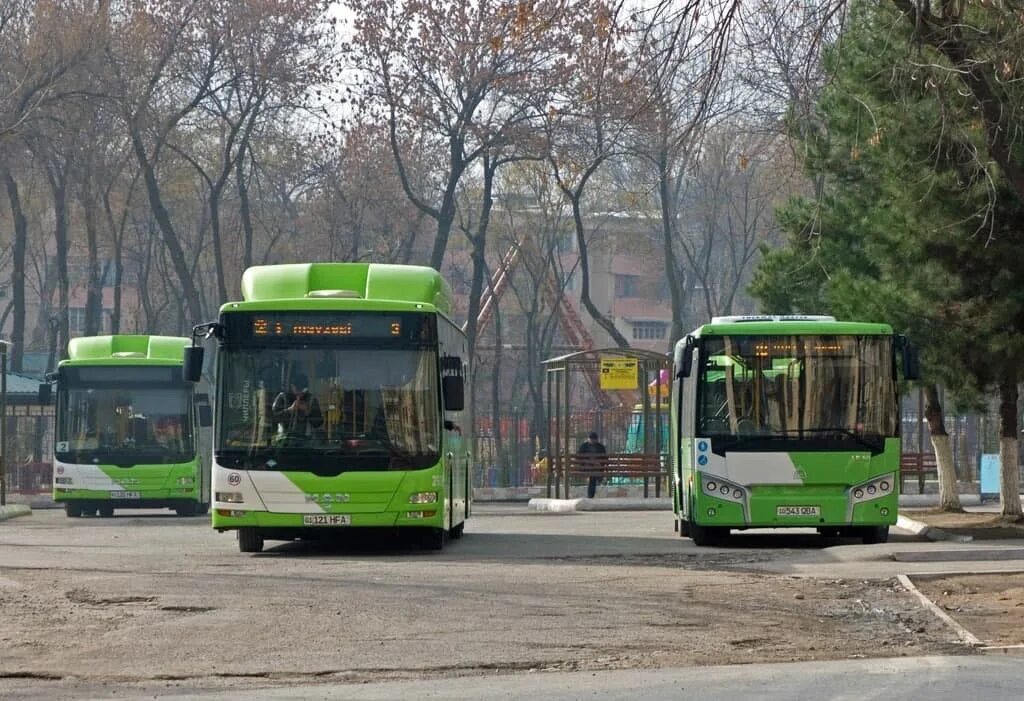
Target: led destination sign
{"x": 326, "y": 326}
{"x": 385, "y": 328}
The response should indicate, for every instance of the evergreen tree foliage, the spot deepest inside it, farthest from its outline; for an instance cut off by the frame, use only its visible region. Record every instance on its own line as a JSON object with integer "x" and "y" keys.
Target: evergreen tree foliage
{"x": 910, "y": 222}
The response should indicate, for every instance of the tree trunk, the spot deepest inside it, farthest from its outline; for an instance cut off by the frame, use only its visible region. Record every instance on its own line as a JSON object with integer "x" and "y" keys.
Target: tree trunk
{"x": 218, "y": 252}
{"x": 117, "y": 239}
{"x": 94, "y": 281}
{"x": 675, "y": 284}
{"x": 60, "y": 233}
{"x": 949, "y": 495}
{"x": 581, "y": 243}
{"x": 498, "y": 437}
{"x": 245, "y": 212}
{"x": 170, "y": 236}
{"x": 1009, "y": 452}
{"x": 17, "y": 351}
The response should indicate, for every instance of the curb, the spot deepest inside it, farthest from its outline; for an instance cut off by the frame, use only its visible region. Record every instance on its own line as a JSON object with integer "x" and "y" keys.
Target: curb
{"x": 905, "y": 523}
{"x": 966, "y": 636}
{"x": 560, "y": 506}
{"x": 603, "y": 504}
{"x": 12, "y": 510}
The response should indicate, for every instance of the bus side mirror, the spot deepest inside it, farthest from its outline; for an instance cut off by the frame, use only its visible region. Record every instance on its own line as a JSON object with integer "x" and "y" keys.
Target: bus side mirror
{"x": 686, "y": 360}
{"x": 45, "y": 393}
{"x": 192, "y": 370}
{"x": 453, "y": 390}
{"x": 911, "y": 362}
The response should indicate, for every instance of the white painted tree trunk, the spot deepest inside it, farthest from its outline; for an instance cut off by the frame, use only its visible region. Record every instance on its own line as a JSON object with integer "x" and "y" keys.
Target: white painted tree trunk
{"x": 1009, "y": 478}
{"x": 949, "y": 495}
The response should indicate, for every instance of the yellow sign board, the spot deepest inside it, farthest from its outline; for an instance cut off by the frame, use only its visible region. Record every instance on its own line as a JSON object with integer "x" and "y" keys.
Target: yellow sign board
{"x": 619, "y": 373}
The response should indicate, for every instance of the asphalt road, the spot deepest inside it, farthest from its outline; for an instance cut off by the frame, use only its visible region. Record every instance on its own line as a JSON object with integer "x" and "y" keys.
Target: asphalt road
{"x": 148, "y": 604}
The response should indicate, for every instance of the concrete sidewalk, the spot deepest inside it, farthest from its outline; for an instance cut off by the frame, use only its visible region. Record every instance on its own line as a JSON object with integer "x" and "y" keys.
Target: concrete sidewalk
{"x": 907, "y": 501}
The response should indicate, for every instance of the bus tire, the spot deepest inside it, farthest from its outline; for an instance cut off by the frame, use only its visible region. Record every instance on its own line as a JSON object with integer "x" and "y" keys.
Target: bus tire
{"x": 683, "y": 527}
{"x": 433, "y": 538}
{"x": 190, "y": 509}
{"x": 705, "y": 535}
{"x": 105, "y": 511}
{"x": 875, "y": 534}
{"x": 72, "y": 510}
{"x": 202, "y": 509}
{"x": 249, "y": 540}
{"x": 458, "y": 531}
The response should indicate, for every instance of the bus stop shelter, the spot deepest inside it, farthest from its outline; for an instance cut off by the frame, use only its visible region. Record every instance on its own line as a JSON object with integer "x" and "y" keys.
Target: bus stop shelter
{"x": 622, "y": 395}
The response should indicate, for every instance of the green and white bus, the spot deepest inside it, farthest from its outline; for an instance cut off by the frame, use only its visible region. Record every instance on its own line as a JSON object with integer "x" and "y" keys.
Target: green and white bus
{"x": 129, "y": 429}
{"x": 339, "y": 403}
{"x": 787, "y": 422}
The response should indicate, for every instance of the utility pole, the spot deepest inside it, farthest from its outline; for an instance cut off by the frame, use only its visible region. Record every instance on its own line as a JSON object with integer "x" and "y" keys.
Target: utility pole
{"x": 3, "y": 422}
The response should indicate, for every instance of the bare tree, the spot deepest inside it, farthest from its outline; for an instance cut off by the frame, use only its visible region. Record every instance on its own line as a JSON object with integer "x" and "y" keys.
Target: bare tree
{"x": 448, "y": 77}
{"x": 587, "y": 126}
{"x": 682, "y": 56}
{"x": 152, "y": 48}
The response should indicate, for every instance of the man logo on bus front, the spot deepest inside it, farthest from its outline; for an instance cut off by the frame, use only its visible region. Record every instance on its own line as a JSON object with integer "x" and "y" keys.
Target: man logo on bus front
{"x": 327, "y": 498}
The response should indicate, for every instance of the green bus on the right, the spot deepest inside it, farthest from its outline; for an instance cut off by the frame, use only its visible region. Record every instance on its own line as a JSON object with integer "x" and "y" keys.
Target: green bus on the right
{"x": 787, "y": 422}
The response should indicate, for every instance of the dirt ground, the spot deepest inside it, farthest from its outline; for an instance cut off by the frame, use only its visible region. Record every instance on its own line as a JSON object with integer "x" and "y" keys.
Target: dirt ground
{"x": 980, "y": 526}
{"x": 991, "y": 606}
{"x": 145, "y": 600}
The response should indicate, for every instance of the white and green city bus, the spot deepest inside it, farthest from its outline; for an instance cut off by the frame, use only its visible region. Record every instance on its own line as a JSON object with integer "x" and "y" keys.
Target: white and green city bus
{"x": 339, "y": 405}
{"x": 129, "y": 429}
{"x": 787, "y": 422}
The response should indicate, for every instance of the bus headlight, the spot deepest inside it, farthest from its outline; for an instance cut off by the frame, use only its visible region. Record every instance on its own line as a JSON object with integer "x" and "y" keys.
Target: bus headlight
{"x": 719, "y": 488}
{"x": 230, "y": 497}
{"x": 873, "y": 489}
{"x": 423, "y": 498}
{"x": 186, "y": 480}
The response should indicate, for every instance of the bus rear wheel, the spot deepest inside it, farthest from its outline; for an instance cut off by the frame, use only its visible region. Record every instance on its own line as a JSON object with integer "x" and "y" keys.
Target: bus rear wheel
{"x": 875, "y": 534}
{"x": 190, "y": 509}
{"x": 72, "y": 510}
{"x": 106, "y": 511}
{"x": 249, "y": 540}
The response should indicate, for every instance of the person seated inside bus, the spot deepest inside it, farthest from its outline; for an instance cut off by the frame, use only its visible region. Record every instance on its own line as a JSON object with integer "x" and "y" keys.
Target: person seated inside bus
{"x": 167, "y": 433}
{"x": 297, "y": 411}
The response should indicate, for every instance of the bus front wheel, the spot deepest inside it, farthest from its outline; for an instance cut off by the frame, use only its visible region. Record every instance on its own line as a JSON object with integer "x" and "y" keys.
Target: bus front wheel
{"x": 433, "y": 538}
{"x": 249, "y": 540}
{"x": 875, "y": 534}
{"x": 705, "y": 535}
{"x": 72, "y": 510}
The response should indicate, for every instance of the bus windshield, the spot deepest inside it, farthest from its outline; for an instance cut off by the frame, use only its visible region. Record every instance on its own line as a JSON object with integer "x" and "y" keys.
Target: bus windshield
{"x": 124, "y": 416}
{"x": 807, "y": 387}
{"x": 327, "y": 409}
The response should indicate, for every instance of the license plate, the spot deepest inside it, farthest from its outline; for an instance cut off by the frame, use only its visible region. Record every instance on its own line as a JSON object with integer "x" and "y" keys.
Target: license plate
{"x": 124, "y": 495}
{"x": 327, "y": 520}
{"x": 798, "y": 511}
